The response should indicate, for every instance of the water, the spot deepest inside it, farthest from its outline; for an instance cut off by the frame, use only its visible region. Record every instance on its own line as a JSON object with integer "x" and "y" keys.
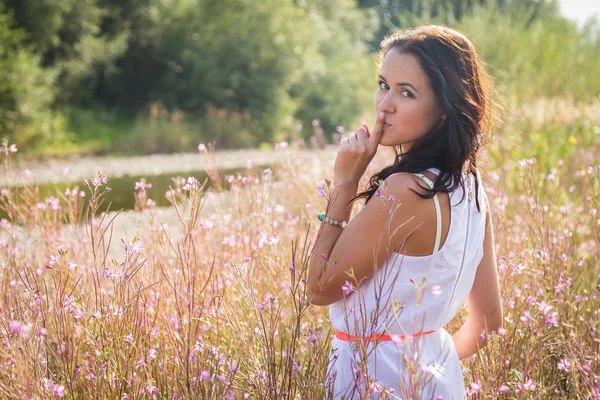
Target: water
{"x": 122, "y": 191}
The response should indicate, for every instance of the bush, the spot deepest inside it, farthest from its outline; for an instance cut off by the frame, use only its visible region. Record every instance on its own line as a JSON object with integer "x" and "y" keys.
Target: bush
{"x": 25, "y": 89}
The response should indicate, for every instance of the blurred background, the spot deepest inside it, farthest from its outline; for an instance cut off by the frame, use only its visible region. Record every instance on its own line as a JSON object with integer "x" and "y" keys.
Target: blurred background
{"x": 160, "y": 76}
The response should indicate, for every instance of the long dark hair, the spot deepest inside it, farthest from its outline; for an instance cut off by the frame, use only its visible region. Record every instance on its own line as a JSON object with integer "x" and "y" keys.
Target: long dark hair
{"x": 462, "y": 90}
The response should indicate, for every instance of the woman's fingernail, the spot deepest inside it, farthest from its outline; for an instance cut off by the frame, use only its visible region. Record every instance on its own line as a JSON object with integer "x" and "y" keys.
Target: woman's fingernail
{"x": 380, "y": 115}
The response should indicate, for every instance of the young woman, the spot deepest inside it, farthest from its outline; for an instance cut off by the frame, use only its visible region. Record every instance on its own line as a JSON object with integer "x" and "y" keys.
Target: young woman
{"x": 423, "y": 243}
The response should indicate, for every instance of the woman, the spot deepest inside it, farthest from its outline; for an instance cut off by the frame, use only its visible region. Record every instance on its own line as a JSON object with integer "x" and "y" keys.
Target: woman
{"x": 423, "y": 243}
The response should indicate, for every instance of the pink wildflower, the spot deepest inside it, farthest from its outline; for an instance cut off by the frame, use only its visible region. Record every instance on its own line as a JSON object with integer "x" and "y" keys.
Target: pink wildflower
{"x": 26, "y": 330}
{"x": 374, "y": 388}
{"x": 233, "y": 367}
{"x": 15, "y": 326}
{"x": 586, "y": 368}
{"x": 58, "y": 390}
{"x": 563, "y": 364}
{"x": 347, "y": 288}
{"x": 544, "y": 307}
{"x": 552, "y": 319}
{"x": 152, "y": 353}
{"x": 150, "y": 388}
{"x": 529, "y": 385}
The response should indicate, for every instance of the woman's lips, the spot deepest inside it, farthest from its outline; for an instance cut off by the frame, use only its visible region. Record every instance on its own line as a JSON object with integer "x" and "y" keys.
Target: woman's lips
{"x": 385, "y": 125}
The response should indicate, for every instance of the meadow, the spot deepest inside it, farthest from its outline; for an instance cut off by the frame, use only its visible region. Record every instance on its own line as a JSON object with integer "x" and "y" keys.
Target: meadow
{"x": 213, "y": 304}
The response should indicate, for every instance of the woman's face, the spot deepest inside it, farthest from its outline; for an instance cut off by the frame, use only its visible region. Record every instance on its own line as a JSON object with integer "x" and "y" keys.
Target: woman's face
{"x": 407, "y": 100}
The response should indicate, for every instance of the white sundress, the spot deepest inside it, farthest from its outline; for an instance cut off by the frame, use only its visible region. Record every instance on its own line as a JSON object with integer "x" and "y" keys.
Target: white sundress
{"x": 452, "y": 267}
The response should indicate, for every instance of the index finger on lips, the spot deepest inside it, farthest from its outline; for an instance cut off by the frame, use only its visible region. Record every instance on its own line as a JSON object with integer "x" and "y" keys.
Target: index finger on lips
{"x": 377, "y": 132}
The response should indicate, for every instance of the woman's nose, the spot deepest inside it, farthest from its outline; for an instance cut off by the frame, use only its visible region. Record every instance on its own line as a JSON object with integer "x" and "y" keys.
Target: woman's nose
{"x": 386, "y": 106}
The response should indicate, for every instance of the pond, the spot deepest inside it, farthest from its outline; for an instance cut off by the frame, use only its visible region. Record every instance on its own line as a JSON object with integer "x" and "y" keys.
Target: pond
{"x": 123, "y": 188}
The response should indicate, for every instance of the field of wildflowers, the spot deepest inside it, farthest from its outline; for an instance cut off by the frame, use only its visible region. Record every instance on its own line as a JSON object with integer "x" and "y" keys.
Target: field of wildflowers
{"x": 213, "y": 304}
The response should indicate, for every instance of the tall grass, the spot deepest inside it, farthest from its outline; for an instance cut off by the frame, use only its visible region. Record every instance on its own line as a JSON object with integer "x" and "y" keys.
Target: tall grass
{"x": 217, "y": 308}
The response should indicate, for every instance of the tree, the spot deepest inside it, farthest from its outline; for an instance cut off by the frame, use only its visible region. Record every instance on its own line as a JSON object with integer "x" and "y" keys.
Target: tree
{"x": 25, "y": 87}
{"x": 69, "y": 38}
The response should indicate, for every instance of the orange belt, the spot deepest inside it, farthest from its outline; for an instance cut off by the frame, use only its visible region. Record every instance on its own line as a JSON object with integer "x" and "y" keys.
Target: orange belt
{"x": 379, "y": 337}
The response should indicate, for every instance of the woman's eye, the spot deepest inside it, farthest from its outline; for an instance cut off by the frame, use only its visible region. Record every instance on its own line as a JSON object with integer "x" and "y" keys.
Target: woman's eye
{"x": 405, "y": 92}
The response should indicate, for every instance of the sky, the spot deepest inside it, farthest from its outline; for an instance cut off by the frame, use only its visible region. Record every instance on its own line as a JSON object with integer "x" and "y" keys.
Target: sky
{"x": 580, "y": 10}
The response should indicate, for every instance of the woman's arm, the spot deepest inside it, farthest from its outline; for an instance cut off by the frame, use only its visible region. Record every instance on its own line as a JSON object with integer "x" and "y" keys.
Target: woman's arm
{"x": 484, "y": 302}
{"x": 329, "y": 234}
{"x": 355, "y": 253}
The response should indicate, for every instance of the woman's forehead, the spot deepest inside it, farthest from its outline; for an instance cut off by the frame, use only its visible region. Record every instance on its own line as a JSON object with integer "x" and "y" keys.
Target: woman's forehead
{"x": 399, "y": 67}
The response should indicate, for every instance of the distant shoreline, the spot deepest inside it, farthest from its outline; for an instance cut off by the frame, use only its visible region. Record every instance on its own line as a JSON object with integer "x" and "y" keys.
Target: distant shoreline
{"x": 50, "y": 171}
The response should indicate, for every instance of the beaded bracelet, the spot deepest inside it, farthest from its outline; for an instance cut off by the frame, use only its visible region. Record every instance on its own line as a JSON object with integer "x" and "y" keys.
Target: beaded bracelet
{"x": 336, "y": 222}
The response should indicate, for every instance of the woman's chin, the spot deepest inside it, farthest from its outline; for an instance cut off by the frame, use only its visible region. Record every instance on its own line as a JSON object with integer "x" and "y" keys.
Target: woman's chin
{"x": 386, "y": 143}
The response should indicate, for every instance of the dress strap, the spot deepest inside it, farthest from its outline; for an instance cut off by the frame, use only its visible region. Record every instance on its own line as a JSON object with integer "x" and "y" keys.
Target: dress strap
{"x": 438, "y": 229}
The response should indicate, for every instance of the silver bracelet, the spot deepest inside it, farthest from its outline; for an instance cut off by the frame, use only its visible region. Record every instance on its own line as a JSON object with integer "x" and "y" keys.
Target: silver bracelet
{"x": 322, "y": 217}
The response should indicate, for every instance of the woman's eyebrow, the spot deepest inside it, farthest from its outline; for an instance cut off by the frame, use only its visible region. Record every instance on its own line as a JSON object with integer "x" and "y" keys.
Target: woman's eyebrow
{"x": 400, "y": 83}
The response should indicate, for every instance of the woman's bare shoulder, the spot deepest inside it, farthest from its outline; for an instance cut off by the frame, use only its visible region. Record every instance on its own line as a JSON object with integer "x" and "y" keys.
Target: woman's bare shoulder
{"x": 400, "y": 189}
{"x": 405, "y": 182}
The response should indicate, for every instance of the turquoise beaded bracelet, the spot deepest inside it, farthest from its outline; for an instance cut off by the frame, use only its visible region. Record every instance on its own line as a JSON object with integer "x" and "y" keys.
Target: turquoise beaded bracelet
{"x": 336, "y": 222}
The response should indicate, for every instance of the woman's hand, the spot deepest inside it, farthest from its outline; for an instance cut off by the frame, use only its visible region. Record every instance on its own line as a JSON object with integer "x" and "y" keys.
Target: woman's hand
{"x": 356, "y": 152}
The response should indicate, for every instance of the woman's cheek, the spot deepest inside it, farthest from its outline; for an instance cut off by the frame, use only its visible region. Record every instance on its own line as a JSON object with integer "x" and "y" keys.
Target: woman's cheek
{"x": 409, "y": 123}
{"x": 420, "y": 121}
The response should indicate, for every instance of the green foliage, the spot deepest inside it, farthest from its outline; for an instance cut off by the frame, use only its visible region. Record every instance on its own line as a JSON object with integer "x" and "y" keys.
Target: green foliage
{"x": 25, "y": 88}
{"x": 68, "y": 36}
{"x": 98, "y": 130}
{"x": 400, "y": 14}
{"x": 243, "y": 56}
{"x": 532, "y": 51}
{"x": 544, "y": 58}
{"x": 85, "y": 73}
{"x": 341, "y": 86}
